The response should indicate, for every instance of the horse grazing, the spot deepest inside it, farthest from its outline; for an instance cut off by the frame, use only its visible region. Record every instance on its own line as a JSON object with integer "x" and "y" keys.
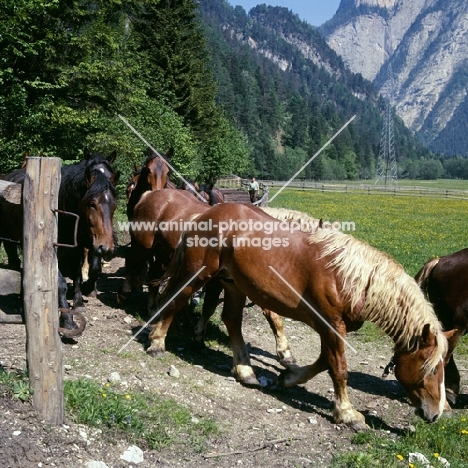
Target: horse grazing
{"x": 444, "y": 282}
{"x": 328, "y": 280}
{"x": 86, "y": 189}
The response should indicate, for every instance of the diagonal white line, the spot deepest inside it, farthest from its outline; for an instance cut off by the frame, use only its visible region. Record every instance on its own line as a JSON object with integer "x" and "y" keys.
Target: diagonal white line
{"x": 312, "y": 309}
{"x": 311, "y": 159}
{"x": 125, "y": 121}
{"x": 161, "y": 309}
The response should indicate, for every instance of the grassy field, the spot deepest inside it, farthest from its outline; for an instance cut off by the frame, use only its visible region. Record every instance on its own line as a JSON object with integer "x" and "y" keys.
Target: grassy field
{"x": 412, "y": 230}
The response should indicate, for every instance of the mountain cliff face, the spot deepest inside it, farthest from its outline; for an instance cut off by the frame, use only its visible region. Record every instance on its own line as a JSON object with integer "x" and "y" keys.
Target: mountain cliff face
{"x": 418, "y": 49}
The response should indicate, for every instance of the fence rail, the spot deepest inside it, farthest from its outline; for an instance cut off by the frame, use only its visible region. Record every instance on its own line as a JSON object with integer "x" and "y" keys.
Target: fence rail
{"x": 370, "y": 189}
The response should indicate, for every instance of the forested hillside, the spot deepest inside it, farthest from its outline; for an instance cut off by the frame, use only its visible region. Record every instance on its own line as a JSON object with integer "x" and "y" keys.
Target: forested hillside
{"x": 289, "y": 92}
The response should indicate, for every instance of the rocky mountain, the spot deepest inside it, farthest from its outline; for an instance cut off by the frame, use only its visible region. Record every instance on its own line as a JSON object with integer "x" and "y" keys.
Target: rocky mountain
{"x": 416, "y": 53}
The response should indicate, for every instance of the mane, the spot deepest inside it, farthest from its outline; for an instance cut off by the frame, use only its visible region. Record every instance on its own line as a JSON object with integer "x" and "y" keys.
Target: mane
{"x": 392, "y": 298}
{"x": 307, "y": 223}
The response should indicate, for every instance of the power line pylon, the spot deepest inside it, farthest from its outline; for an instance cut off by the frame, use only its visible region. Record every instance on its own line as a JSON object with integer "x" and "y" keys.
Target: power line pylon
{"x": 387, "y": 167}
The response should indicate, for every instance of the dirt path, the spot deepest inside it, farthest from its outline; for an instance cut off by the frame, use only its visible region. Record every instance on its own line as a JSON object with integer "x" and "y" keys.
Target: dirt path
{"x": 259, "y": 427}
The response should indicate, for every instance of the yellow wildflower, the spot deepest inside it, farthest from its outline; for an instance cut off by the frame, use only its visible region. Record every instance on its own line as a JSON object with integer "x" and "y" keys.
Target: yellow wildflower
{"x": 464, "y": 431}
{"x": 104, "y": 395}
{"x": 400, "y": 457}
{"x": 127, "y": 397}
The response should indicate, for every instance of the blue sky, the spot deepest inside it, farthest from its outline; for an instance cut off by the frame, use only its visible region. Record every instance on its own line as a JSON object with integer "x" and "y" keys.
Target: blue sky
{"x": 315, "y": 12}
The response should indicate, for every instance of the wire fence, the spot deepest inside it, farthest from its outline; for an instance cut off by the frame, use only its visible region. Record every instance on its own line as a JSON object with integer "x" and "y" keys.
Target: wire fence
{"x": 370, "y": 189}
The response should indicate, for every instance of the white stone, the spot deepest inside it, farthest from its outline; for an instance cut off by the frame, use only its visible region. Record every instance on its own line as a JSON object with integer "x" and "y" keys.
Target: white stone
{"x": 133, "y": 454}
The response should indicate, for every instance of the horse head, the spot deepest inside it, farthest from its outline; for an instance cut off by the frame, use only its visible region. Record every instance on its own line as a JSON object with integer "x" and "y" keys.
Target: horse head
{"x": 157, "y": 170}
{"x": 96, "y": 163}
{"x": 421, "y": 372}
{"x": 96, "y": 213}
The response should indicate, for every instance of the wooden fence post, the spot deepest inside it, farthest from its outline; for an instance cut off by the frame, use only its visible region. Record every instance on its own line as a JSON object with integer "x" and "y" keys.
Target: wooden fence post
{"x": 40, "y": 270}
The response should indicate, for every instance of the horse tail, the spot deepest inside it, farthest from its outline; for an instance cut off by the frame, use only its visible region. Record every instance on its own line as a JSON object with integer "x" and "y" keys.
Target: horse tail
{"x": 422, "y": 277}
{"x": 173, "y": 271}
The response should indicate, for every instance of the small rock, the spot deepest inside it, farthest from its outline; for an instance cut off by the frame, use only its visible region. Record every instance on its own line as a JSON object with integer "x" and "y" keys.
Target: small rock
{"x": 274, "y": 410}
{"x": 16, "y": 433}
{"x": 173, "y": 372}
{"x": 128, "y": 320}
{"x": 114, "y": 377}
{"x": 133, "y": 454}
{"x": 313, "y": 421}
{"x": 95, "y": 464}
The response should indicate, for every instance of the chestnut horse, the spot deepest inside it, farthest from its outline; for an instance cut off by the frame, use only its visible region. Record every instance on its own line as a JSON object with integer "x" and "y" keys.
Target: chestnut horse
{"x": 172, "y": 209}
{"x": 444, "y": 281}
{"x": 152, "y": 176}
{"x": 328, "y": 280}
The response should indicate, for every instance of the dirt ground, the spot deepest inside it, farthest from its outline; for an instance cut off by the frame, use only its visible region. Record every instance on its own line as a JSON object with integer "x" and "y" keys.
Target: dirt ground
{"x": 258, "y": 427}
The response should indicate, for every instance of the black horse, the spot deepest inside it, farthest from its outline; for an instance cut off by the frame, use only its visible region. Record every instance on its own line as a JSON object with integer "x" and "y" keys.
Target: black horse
{"x": 86, "y": 189}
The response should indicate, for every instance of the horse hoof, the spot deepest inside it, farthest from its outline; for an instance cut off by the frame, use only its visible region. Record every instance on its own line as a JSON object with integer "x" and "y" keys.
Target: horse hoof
{"x": 288, "y": 362}
{"x": 358, "y": 426}
{"x": 250, "y": 382}
{"x": 451, "y": 396}
{"x": 122, "y": 297}
{"x": 155, "y": 352}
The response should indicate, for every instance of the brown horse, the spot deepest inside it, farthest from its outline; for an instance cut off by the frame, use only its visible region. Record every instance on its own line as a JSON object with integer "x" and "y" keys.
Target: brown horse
{"x": 152, "y": 176}
{"x": 444, "y": 282}
{"x": 328, "y": 280}
{"x": 166, "y": 214}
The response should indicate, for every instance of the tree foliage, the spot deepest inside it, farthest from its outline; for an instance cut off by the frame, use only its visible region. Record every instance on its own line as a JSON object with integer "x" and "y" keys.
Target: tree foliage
{"x": 68, "y": 69}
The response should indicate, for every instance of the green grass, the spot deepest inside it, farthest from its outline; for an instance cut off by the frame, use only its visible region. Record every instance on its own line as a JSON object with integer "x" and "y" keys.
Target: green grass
{"x": 147, "y": 420}
{"x": 151, "y": 422}
{"x": 411, "y": 230}
{"x": 447, "y": 438}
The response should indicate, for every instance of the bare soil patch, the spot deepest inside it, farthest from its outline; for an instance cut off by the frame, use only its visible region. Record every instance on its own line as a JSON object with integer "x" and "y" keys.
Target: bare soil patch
{"x": 269, "y": 426}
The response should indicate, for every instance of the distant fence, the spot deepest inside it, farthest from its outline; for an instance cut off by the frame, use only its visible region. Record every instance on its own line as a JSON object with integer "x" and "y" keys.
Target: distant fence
{"x": 370, "y": 189}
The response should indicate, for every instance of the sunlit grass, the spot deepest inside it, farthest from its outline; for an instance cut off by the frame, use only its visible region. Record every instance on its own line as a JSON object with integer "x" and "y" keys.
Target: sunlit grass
{"x": 447, "y": 439}
{"x": 411, "y": 230}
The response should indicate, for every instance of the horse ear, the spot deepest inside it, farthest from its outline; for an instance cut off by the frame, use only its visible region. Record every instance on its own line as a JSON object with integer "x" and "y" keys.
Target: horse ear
{"x": 427, "y": 337}
{"x": 452, "y": 337}
{"x": 136, "y": 169}
{"x": 169, "y": 154}
{"x": 111, "y": 158}
{"x": 86, "y": 153}
{"x": 90, "y": 179}
{"x": 149, "y": 151}
{"x": 115, "y": 178}
{"x": 25, "y": 155}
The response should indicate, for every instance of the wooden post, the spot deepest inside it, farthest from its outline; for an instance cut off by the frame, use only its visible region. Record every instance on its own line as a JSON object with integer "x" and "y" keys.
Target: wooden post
{"x": 40, "y": 287}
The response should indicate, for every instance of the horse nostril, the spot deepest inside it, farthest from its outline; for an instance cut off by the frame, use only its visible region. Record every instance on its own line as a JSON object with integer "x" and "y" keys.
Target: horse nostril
{"x": 434, "y": 418}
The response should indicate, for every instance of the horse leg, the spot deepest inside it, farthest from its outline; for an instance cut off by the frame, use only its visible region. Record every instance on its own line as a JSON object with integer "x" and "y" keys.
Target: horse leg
{"x": 135, "y": 271}
{"x": 157, "y": 336}
{"x": 212, "y": 291}
{"x": 62, "y": 291}
{"x": 77, "y": 279}
{"x": 234, "y": 302}
{"x": 94, "y": 262}
{"x": 282, "y": 346}
{"x": 11, "y": 249}
{"x": 452, "y": 381}
{"x": 332, "y": 357}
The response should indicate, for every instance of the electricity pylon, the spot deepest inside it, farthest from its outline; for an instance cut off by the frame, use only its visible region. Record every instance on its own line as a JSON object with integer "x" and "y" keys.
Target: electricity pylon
{"x": 386, "y": 166}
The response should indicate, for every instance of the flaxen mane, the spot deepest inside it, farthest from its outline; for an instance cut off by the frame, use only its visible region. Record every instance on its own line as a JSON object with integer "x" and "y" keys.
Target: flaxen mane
{"x": 392, "y": 298}
{"x": 306, "y": 222}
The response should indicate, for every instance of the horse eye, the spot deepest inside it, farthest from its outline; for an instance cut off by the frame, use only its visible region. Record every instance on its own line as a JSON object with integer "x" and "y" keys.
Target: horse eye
{"x": 92, "y": 205}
